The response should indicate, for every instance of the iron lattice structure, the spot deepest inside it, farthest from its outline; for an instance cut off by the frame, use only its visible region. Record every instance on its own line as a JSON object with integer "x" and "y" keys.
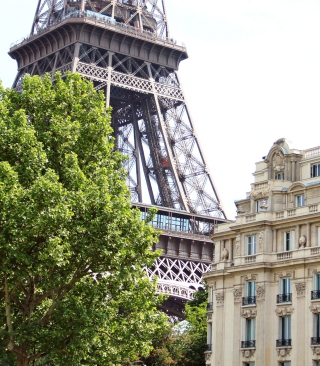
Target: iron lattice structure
{"x": 125, "y": 49}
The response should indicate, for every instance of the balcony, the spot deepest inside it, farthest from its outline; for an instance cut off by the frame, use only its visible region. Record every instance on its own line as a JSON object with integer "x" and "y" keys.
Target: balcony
{"x": 208, "y": 347}
{"x": 281, "y": 298}
{"x": 315, "y": 341}
{"x": 283, "y": 342}
{"x": 248, "y": 300}
{"x": 248, "y": 344}
{"x": 210, "y": 306}
{"x": 315, "y": 294}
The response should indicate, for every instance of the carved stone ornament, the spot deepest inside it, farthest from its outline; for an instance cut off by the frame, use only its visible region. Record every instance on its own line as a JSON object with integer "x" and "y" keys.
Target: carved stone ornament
{"x": 209, "y": 317}
{"x": 207, "y": 355}
{"x": 302, "y": 241}
{"x": 284, "y": 311}
{"x": 237, "y": 294}
{"x": 260, "y": 194}
{"x": 278, "y": 164}
{"x": 247, "y": 353}
{"x": 312, "y": 271}
{"x": 301, "y": 288}
{"x": 316, "y": 351}
{"x": 238, "y": 244}
{"x": 248, "y": 313}
{"x": 260, "y": 240}
{"x": 260, "y": 292}
{"x": 225, "y": 254}
{"x": 219, "y": 298}
{"x": 315, "y": 309}
{"x": 279, "y": 275}
{"x": 283, "y": 352}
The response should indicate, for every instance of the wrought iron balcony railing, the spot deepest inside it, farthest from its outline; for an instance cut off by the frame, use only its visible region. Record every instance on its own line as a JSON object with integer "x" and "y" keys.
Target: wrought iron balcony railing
{"x": 248, "y": 300}
{"x": 284, "y": 298}
{"x": 248, "y": 344}
{"x": 315, "y": 294}
{"x": 283, "y": 342}
{"x": 210, "y": 306}
{"x": 208, "y": 347}
{"x": 315, "y": 341}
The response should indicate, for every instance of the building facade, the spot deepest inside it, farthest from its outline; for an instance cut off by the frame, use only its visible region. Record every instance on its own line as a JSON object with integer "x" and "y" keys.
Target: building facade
{"x": 264, "y": 284}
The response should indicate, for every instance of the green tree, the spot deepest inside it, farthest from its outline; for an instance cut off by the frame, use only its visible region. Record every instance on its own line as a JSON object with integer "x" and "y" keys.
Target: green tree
{"x": 183, "y": 344}
{"x": 72, "y": 250}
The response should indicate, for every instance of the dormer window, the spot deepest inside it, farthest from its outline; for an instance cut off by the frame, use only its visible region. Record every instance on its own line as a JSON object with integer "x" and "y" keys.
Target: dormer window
{"x": 299, "y": 200}
{"x": 279, "y": 176}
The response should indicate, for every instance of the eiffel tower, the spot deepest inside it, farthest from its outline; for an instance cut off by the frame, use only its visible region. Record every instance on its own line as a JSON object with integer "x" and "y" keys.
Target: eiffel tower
{"x": 124, "y": 47}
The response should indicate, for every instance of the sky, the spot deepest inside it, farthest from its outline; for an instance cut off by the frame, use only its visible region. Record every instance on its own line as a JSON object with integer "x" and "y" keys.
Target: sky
{"x": 252, "y": 77}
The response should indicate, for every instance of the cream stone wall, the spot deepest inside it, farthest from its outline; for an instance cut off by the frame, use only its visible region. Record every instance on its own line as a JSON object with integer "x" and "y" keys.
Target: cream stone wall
{"x": 280, "y": 178}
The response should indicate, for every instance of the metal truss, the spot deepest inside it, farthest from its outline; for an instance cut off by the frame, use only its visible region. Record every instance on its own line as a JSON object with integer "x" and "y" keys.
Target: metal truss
{"x": 146, "y": 15}
{"x": 178, "y": 278}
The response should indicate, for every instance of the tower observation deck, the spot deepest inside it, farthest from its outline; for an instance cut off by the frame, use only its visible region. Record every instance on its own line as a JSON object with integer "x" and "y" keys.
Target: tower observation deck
{"x": 124, "y": 47}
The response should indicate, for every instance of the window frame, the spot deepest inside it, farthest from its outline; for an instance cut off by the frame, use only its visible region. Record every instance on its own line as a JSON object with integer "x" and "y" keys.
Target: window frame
{"x": 289, "y": 240}
{"x": 249, "y": 329}
{"x": 258, "y": 203}
{"x": 299, "y": 200}
{"x": 279, "y": 176}
{"x": 251, "y": 242}
{"x": 285, "y": 327}
{"x": 314, "y": 170}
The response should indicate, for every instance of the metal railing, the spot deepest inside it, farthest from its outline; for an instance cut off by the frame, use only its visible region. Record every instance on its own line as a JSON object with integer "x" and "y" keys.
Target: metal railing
{"x": 315, "y": 294}
{"x": 248, "y": 344}
{"x": 283, "y": 342}
{"x": 249, "y": 300}
{"x": 284, "y": 298}
{"x": 315, "y": 341}
{"x": 103, "y": 20}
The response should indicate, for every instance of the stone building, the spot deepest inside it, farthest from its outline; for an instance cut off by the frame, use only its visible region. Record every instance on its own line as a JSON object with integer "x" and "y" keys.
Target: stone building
{"x": 264, "y": 284}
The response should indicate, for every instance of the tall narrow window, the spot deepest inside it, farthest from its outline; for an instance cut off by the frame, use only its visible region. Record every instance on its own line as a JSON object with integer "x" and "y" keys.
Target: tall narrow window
{"x": 280, "y": 176}
{"x": 260, "y": 204}
{"x": 250, "y": 293}
{"x": 315, "y": 340}
{"x": 315, "y": 170}
{"x": 315, "y": 294}
{"x": 284, "y": 331}
{"x": 289, "y": 240}
{"x": 285, "y": 291}
{"x": 318, "y": 230}
{"x": 210, "y": 299}
{"x": 249, "y": 334}
{"x": 209, "y": 337}
{"x": 251, "y": 245}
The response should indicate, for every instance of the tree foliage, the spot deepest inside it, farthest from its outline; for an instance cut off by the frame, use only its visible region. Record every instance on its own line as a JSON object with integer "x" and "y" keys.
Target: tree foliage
{"x": 72, "y": 250}
{"x": 183, "y": 344}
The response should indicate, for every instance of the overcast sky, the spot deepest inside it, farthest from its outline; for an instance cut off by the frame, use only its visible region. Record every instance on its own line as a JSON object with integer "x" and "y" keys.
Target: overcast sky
{"x": 253, "y": 76}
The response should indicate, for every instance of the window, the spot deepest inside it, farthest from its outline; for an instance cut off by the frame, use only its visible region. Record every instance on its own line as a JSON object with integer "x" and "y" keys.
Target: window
{"x": 250, "y": 293}
{"x": 251, "y": 245}
{"x": 300, "y": 200}
{"x": 289, "y": 240}
{"x": 280, "y": 176}
{"x": 318, "y": 229}
{"x": 315, "y": 340}
{"x": 285, "y": 290}
{"x": 315, "y": 170}
{"x": 249, "y": 333}
{"x": 315, "y": 294}
{"x": 263, "y": 203}
{"x": 248, "y": 364}
{"x": 316, "y": 363}
{"x": 209, "y": 337}
{"x": 284, "y": 331}
{"x": 287, "y": 363}
{"x": 210, "y": 299}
